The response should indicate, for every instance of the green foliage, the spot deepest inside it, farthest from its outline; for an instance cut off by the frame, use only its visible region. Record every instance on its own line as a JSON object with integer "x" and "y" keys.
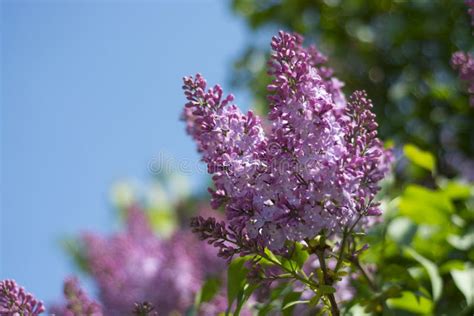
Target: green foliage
{"x": 424, "y": 206}
{"x": 425, "y": 242}
{"x": 236, "y": 279}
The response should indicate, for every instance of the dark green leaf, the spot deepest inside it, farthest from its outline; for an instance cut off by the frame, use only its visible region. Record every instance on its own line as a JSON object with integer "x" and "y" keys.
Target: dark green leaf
{"x": 236, "y": 276}
{"x": 287, "y": 306}
{"x": 209, "y": 290}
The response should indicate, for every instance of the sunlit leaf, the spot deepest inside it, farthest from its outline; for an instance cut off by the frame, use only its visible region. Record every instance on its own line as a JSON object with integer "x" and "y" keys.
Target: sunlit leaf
{"x": 451, "y": 265}
{"x": 464, "y": 280}
{"x": 456, "y": 190}
{"x": 464, "y": 242}
{"x": 412, "y": 303}
{"x": 419, "y": 157}
{"x": 424, "y": 206}
{"x": 293, "y": 303}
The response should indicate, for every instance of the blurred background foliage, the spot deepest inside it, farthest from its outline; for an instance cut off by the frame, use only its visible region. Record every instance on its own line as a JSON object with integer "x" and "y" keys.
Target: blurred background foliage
{"x": 422, "y": 251}
{"x": 398, "y": 51}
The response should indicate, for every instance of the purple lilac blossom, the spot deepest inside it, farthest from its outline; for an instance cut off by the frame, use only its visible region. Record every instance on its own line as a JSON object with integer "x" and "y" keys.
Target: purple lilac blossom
{"x": 78, "y": 302}
{"x": 137, "y": 266}
{"x": 14, "y": 300}
{"x": 316, "y": 169}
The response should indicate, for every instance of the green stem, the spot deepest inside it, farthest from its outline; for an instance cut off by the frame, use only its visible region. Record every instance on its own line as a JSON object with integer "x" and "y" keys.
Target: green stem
{"x": 371, "y": 283}
{"x": 332, "y": 300}
{"x": 341, "y": 251}
{"x": 294, "y": 274}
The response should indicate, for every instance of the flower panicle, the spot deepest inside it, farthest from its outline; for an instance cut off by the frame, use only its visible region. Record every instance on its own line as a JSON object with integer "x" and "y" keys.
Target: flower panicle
{"x": 229, "y": 240}
{"x": 14, "y": 300}
{"x": 317, "y": 167}
{"x": 78, "y": 302}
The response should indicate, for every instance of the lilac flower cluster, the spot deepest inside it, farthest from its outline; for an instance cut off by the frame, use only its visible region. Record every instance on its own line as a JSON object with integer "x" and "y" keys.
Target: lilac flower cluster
{"x": 14, "y": 300}
{"x": 316, "y": 169}
{"x": 78, "y": 302}
{"x": 136, "y": 266}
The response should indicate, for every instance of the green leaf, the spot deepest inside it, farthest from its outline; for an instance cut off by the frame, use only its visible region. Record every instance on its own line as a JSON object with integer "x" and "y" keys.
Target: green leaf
{"x": 433, "y": 273}
{"x": 424, "y": 206}
{"x": 236, "y": 276}
{"x": 289, "y": 301}
{"x": 209, "y": 290}
{"x": 464, "y": 280}
{"x": 451, "y": 265}
{"x": 357, "y": 310}
{"x": 419, "y": 157}
{"x": 162, "y": 219}
{"x": 412, "y": 303}
{"x": 76, "y": 249}
{"x": 297, "y": 259}
{"x": 402, "y": 230}
{"x": 326, "y": 289}
{"x": 290, "y": 304}
{"x": 465, "y": 242}
{"x": 456, "y": 190}
{"x": 243, "y": 296}
{"x": 271, "y": 255}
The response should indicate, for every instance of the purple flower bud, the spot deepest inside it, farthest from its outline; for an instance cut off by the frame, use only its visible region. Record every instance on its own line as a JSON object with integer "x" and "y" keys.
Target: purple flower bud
{"x": 78, "y": 302}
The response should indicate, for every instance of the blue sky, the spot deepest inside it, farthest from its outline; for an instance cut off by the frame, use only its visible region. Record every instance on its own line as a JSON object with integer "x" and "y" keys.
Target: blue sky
{"x": 91, "y": 91}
